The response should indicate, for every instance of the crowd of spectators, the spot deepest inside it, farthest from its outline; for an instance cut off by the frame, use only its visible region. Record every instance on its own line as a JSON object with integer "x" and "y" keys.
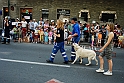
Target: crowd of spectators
{"x": 96, "y": 34}
{"x": 42, "y": 32}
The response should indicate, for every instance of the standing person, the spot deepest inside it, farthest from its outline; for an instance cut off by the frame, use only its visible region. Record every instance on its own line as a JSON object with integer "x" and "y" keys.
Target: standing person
{"x": 103, "y": 30}
{"x": 86, "y": 32}
{"x": 19, "y": 35}
{"x": 31, "y": 25}
{"x": 92, "y": 31}
{"x": 46, "y": 25}
{"x": 50, "y": 36}
{"x": 32, "y": 37}
{"x": 35, "y": 23}
{"x": 36, "y": 35}
{"x": 53, "y": 25}
{"x": 70, "y": 28}
{"x": 106, "y": 50}
{"x": 15, "y": 33}
{"x": 24, "y": 27}
{"x": 92, "y": 38}
{"x": 46, "y": 37}
{"x": 7, "y": 24}
{"x": 17, "y": 22}
{"x": 99, "y": 39}
{"x": 41, "y": 33}
{"x": 69, "y": 31}
{"x": 75, "y": 36}
{"x": 41, "y": 22}
{"x": 59, "y": 44}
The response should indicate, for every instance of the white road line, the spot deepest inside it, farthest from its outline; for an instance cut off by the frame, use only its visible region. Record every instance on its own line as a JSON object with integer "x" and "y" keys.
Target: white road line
{"x": 48, "y": 64}
{"x": 35, "y": 63}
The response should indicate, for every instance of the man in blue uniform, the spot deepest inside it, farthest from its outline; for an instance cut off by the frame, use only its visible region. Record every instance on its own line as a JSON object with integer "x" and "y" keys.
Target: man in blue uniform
{"x": 75, "y": 36}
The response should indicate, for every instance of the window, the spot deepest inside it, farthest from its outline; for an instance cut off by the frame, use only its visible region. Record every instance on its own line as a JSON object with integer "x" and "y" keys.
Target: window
{"x": 84, "y": 15}
{"x": 45, "y": 14}
{"x": 108, "y": 17}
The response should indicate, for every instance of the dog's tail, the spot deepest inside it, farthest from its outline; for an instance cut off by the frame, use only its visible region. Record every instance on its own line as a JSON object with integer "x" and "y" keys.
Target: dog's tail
{"x": 94, "y": 57}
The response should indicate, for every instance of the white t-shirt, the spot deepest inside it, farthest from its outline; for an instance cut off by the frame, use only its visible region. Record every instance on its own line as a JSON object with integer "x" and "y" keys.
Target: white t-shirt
{"x": 31, "y": 25}
{"x": 24, "y": 23}
{"x": 35, "y": 24}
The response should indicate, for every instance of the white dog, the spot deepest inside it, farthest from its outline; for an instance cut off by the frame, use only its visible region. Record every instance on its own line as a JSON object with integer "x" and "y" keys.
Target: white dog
{"x": 83, "y": 53}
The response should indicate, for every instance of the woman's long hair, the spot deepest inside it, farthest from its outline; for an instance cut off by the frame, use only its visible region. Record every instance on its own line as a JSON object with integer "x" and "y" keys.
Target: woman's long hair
{"x": 111, "y": 25}
{"x": 60, "y": 24}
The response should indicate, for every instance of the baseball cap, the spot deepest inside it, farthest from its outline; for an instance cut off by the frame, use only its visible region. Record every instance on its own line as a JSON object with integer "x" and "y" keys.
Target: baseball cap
{"x": 17, "y": 18}
{"x": 74, "y": 18}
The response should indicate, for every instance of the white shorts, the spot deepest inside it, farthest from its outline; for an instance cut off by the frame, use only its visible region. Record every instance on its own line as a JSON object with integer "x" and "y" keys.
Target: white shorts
{"x": 50, "y": 38}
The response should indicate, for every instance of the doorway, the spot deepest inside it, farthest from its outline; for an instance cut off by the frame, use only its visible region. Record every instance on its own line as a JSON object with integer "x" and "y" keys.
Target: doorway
{"x": 84, "y": 16}
{"x": 26, "y": 13}
{"x": 5, "y": 12}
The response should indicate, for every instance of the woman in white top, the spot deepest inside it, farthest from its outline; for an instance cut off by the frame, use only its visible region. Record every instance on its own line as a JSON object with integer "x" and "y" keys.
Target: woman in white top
{"x": 24, "y": 27}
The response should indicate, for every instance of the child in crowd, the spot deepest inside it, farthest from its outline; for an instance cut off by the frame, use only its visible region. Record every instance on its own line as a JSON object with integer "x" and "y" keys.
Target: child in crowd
{"x": 66, "y": 36}
{"x": 15, "y": 33}
{"x": 36, "y": 35}
{"x": 50, "y": 36}
{"x": 99, "y": 38}
{"x": 41, "y": 33}
{"x": 32, "y": 36}
{"x": 19, "y": 35}
{"x": 46, "y": 25}
{"x": 120, "y": 39}
{"x": 115, "y": 40}
{"x": 46, "y": 36}
{"x": 28, "y": 35}
{"x": 92, "y": 44}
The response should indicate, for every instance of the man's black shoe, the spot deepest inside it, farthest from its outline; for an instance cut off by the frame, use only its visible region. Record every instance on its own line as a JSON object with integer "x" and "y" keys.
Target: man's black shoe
{"x": 66, "y": 62}
{"x": 49, "y": 61}
{"x": 3, "y": 43}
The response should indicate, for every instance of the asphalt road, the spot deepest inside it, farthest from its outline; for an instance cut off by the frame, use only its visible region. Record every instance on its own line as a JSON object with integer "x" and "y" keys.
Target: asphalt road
{"x": 26, "y": 63}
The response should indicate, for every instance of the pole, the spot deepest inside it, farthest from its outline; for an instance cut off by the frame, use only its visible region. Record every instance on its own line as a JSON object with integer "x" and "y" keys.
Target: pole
{"x": 8, "y": 7}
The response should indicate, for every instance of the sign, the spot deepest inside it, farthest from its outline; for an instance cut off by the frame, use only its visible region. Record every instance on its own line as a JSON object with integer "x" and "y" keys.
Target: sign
{"x": 14, "y": 23}
{"x": 65, "y": 12}
{"x": 27, "y": 17}
{"x": 45, "y": 11}
{"x": 0, "y": 12}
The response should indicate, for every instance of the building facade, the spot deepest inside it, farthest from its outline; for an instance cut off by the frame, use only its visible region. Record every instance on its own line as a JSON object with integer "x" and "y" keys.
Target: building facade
{"x": 85, "y": 10}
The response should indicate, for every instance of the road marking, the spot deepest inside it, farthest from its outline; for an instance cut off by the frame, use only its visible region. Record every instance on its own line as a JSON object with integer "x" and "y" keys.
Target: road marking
{"x": 5, "y": 53}
{"x": 35, "y": 63}
{"x": 48, "y": 64}
{"x": 54, "y": 81}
